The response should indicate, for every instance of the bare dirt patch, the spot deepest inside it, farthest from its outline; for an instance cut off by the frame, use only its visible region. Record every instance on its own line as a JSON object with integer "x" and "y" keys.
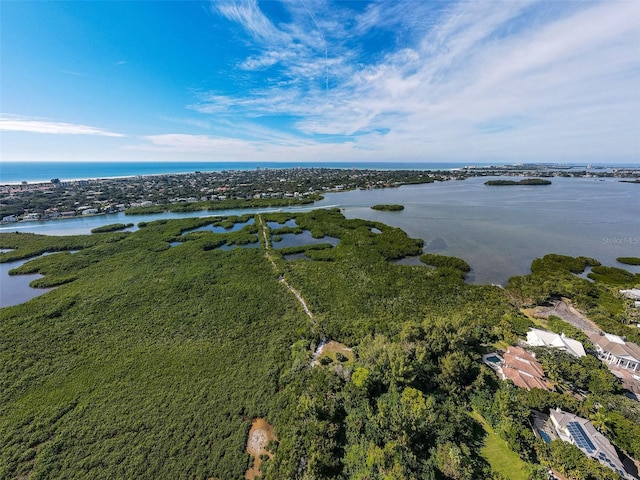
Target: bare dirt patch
{"x": 260, "y": 435}
{"x": 564, "y": 310}
{"x": 330, "y": 349}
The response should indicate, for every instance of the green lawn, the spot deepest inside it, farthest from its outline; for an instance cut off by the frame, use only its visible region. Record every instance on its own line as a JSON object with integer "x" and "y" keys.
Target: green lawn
{"x": 496, "y": 451}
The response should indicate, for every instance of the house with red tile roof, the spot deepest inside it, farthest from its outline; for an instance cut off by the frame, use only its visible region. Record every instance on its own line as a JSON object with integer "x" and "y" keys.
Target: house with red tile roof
{"x": 522, "y": 368}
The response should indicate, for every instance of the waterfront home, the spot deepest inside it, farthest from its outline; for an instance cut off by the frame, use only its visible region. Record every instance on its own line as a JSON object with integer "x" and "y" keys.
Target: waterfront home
{"x": 614, "y": 350}
{"x": 9, "y": 219}
{"x": 581, "y": 433}
{"x": 542, "y": 338}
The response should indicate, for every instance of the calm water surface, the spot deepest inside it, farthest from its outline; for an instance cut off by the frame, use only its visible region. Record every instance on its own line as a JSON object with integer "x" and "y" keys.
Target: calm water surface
{"x": 15, "y": 289}
{"x": 500, "y": 230}
{"x": 497, "y": 230}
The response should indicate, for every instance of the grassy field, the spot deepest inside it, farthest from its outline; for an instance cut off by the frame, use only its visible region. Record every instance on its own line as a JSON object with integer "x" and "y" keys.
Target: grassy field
{"x": 496, "y": 451}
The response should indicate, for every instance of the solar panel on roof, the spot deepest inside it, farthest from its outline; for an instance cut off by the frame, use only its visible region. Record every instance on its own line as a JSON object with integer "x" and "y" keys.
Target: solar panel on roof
{"x": 580, "y": 437}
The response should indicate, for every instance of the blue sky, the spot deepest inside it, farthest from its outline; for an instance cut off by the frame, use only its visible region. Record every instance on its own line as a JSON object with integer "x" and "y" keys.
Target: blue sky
{"x": 315, "y": 80}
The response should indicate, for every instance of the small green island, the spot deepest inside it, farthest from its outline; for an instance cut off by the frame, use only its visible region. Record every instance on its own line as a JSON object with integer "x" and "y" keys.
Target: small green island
{"x": 629, "y": 260}
{"x": 526, "y": 181}
{"x": 393, "y": 207}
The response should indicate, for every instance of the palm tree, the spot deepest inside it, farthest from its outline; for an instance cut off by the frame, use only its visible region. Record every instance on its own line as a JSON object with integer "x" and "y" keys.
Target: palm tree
{"x": 600, "y": 420}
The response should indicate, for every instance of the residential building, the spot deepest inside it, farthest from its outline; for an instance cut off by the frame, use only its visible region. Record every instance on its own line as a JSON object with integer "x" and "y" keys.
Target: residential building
{"x": 581, "y": 433}
{"x": 522, "y": 368}
{"x": 633, "y": 294}
{"x": 616, "y": 351}
{"x": 542, "y": 338}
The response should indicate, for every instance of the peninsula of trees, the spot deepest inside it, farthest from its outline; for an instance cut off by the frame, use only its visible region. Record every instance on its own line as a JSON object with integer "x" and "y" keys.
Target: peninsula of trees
{"x": 629, "y": 260}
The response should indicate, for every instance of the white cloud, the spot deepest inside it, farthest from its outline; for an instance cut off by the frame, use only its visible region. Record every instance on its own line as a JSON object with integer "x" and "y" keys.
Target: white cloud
{"x": 248, "y": 14}
{"x": 211, "y": 148}
{"x": 410, "y": 80}
{"x": 23, "y": 124}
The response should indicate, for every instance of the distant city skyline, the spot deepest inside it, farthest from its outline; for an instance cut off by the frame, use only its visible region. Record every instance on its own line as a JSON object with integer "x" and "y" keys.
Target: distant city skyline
{"x": 320, "y": 81}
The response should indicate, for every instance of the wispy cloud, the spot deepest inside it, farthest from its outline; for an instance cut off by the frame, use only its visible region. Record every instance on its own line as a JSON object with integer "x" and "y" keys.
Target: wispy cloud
{"x": 212, "y": 148}
{"x": 248, "y": 14}
{"x": 78, "y": 74}
{"x": 15, "y": 123}
{"x": 567, "y": 71}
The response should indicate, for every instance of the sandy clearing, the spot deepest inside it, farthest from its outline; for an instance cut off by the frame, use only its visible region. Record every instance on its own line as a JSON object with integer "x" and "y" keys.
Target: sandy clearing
{"x": 260, "y": 435}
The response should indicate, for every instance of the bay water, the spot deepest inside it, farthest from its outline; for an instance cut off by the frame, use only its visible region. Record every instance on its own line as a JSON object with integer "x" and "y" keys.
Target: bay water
{"x": 497, "y": 230}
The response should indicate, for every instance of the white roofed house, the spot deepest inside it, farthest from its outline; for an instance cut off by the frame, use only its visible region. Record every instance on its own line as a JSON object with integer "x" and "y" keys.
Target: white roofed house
{"x": 633, "y": 293}
{"x": 615, "y": 351}
{"x": 542, "y": 338}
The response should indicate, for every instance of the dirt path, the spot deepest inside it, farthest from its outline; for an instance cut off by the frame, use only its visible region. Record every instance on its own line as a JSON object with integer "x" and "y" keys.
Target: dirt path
{"x": 267, "y": 246}
{"x": 299, "y": 297}
{"x": 564, "y": 310}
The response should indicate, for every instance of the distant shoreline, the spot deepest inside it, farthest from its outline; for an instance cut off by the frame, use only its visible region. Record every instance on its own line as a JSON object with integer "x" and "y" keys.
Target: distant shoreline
{"x": 15, "y": 173}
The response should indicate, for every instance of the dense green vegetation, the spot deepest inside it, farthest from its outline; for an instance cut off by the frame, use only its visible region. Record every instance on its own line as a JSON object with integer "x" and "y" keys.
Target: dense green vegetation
{"x": 114, "y": 227}
{"x": 446, "y": 262}
{"x": 559, "y": 326}
{"x": 526, "y": 181}
{"x": 150, "y": 360}
{"x": 392, "y": 207}
{"x": 147, "y": 364}
{"x": 629, "y": 260}
{"x": 214, "y": 205}
{"x": 614, "y": 276}
{"x": 554, "y": 276}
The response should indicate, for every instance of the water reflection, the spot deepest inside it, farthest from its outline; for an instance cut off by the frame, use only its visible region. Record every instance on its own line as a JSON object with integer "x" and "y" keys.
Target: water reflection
{"x": 304, "y": 238}
{"x": 245, "y": 245}
{"x": 291, "y": 223}
{"x": 15, "y": 288}
{"x": 220, "y": 229}
{"x": 413, "y": 261}
{"x": 296, "y": 256}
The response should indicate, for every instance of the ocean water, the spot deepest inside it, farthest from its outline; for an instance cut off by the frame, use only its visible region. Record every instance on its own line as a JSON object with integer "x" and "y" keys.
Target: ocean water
{"x": 33, "y": 172}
